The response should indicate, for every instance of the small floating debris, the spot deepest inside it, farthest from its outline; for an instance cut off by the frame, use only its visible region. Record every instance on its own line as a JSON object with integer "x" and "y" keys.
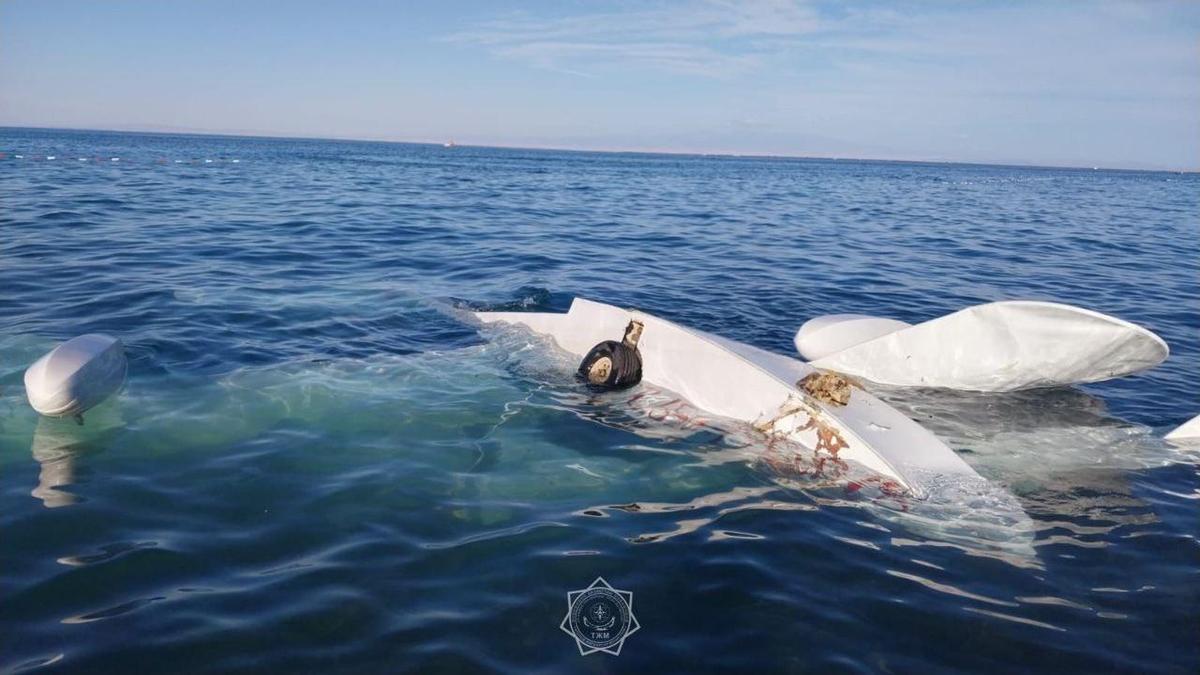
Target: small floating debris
{"x": 208, "y": 161}
{"x": 49, "y": 157}
{"x": 115, "y": 159}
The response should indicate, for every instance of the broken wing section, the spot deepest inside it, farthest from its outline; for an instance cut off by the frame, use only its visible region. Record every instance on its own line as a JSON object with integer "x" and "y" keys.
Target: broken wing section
{"x": 1004, "y": 346}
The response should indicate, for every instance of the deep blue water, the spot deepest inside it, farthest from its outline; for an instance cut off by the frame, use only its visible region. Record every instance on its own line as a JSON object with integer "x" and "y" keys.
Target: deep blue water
{"x": 316, "y": 466}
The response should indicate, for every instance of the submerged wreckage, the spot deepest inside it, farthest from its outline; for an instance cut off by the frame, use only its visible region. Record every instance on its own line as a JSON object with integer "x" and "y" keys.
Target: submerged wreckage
{"x": 827, "y": 411}
{"x": 1002, "y": 346}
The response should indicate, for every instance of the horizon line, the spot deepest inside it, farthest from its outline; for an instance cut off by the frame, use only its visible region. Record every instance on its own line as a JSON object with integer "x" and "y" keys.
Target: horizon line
{"x": 552, "y": 148}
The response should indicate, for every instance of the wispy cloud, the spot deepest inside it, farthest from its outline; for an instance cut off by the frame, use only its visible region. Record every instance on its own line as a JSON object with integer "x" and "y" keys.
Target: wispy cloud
{"x": 674, "y": 57}
{"x": 709, "y": 38}
{"x": 1103, "y": 82}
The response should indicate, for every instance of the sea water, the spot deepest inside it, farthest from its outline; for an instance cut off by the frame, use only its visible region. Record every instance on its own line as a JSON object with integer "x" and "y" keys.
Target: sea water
{"x": 318, "y": 464}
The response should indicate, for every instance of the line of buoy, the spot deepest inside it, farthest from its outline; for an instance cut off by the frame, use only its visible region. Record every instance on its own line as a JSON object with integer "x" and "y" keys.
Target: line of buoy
{"x": 119, "y": 160}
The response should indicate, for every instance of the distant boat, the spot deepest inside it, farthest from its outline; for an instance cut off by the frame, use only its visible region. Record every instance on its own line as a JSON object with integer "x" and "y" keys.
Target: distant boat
{"x": 449, "y": 144}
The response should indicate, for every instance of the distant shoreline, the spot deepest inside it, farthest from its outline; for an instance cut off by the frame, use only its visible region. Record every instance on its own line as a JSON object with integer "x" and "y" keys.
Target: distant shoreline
{"x": 665, "y": 153}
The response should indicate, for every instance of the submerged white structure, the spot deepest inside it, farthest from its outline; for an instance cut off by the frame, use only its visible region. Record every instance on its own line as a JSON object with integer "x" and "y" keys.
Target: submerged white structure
{"x": 1188, "y": 431}
{"x": 999, "y": 346}
{"x": 768, "y": 390}
{"x": 76, "y": 375}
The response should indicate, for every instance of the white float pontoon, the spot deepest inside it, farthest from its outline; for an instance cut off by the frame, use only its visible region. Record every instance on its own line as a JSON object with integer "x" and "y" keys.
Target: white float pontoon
{"x": 999, "y": 346}
{"x": 76, "y": 375}
{"x": 752, "y": 385}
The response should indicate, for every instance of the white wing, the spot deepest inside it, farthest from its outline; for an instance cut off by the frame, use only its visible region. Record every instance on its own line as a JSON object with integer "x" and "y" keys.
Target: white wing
{"x": 1004, "y": 346}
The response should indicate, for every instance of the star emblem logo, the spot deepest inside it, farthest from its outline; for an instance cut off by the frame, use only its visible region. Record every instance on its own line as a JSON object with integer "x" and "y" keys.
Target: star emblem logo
{"x": 600, "y": 618}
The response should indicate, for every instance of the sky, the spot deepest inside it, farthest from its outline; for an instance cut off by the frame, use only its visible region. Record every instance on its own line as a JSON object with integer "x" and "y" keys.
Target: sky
{"x": 1071, "y": 83}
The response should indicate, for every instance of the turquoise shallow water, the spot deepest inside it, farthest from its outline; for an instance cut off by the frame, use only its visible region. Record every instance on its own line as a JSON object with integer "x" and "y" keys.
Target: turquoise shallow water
{"x": 316, "y": 465}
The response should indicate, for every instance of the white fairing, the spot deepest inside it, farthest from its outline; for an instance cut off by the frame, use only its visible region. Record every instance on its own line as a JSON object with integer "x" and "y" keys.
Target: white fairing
{"x": 1004, "y": 346}
{"x": 824, "y": 335}
{"x": 1189, "y": 430}
{"x": 76, "y": 375}
{"x": 749, "y": 384}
